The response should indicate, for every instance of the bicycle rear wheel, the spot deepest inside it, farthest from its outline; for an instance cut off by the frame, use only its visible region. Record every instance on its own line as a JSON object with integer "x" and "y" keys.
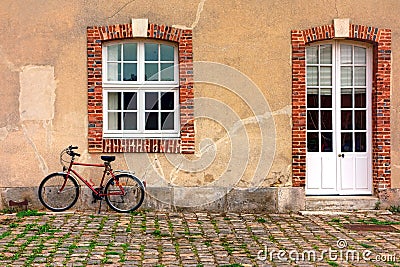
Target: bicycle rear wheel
{"x": 133, "y": 193}
{"x": 50, "y": 195}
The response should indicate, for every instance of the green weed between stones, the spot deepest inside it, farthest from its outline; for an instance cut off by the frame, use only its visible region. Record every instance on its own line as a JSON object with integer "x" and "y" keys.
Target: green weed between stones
{"x": 378, "y": 222}
{"x": 26, "y": 213}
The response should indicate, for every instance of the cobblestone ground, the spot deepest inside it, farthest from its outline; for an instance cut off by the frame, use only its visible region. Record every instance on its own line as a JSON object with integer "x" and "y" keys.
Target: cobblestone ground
{"x": 197, "y": 239}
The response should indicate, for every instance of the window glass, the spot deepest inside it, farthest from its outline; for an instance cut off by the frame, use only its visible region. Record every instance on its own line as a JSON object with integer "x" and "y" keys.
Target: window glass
{"x": 167, "y": 52}
{"x": 326, "y": 54}
{"x": 312, "y": 55}
{"x": 151, "y": 52}
{"x": 130, "y": 52}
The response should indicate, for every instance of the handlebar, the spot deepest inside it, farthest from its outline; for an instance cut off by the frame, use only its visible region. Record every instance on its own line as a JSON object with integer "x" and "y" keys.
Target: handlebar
{"x": 72, "y": 153}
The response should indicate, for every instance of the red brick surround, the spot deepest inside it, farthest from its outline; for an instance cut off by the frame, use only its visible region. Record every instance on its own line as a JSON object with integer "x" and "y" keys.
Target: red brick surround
{"x": 381, "y": 39}
{"x": 95, "y": 38}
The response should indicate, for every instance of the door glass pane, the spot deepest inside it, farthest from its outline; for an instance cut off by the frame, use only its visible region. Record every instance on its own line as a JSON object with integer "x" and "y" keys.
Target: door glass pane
{"x": 151, "y": 121}
{"x": 360, "y": 98}
{"x": 346, "y": 76}
{"x": 114, "y": 120}
{"x": 360, "y": 55}
{"x": 346, "y": 54}
{"x": 360, "y": 76}
{"x": 347, "y": 120}
{"x": 312, "y": 142}
{"x": 113, "y": 71}
{"x": 167, "y": 72}
{"x": 326, "y": 142}
{"x": 167, "y": 101}
{"x": 167, "y": 120}
{"x": 312, "y": 120}
{"x": 346, "y": 98}
{"x": 130, "y": 72}
{"x": 347, "y": 142}
{"x": 130, "y": 52}
{"x": 361, "y": 142}
{"x": 312, "y": 54}
{"x": 326, "y": 54}
{"x": 360, "y": 120}
{"x": 312, "y": 76}
{"x": 326, "y": 98}
{"x": 326, "y": 119}
{"x": 151, "y": 72}
{"x": 150, "y": 52}
{"x": 114, "y": 53}
{"x": 312, "y": 98}
{"x": 326, "y": 76}
{"x": 167, "y": 53}
{"x": 114, "y": 101}
{"x": 130, "y": 101}
{"x": 151, "y": 100}
{"x": 130, "y": 121}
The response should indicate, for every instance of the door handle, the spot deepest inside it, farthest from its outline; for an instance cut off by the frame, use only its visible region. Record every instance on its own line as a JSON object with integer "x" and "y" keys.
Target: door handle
{"x": 341, "y": 155}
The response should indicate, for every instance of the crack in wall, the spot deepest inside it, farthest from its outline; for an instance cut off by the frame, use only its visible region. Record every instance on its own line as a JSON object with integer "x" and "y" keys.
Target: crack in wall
{"x": 200, "y": 8}
{"x": 120, "y": 9}
{"x": 42, "y": 163}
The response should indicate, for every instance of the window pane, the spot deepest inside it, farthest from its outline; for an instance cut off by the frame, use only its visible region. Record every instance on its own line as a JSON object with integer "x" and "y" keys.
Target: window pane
{"x": 114, "y": 101}
{"x": 360, "y": 55}
{"x": 167, "y": 101}
{"x": 312, "y": 120}
{"x": 312, "y": 76}
{"x": 130, "y": 121}
{"x": 347, "y": 142}
{"x": 326, "y": 54}
{"x": 361, "y": 142}
{"x": 346, "y": 54}
{"x": 167, "y": 52}
{"x": 346, "y": 98}
{"x": 312, "y": 98}
{"x": 130, "y": 52}
{"x": 113, "y": 72}
{"x": 151, "y": 72}
{"x": 326, "y": 76}
{"x": 151, "y": 52}
{"x": 167, "y": 71}
{"x": 326, "y": 98}
{"x": 167, "y": 120}
{"x": 347, "y": 120}
{"x": 360, "y": 98}
{"x": 326, "y": 120}
{"x": 312, "y": 142}
{"x": 326, "y": 142}
{"x": 312, "y": 54}
{"x": 151, "y": 101}
{"x": 114, "y": 53}
{"x": 130, "y": 72}
{"x": 130, "y": 101}
{"x": 359, "y": 76}
{"x": 346, "y": 76}
{"x": 152, "y": 121}
{"x": 360, "y": 120}
{"x": 114, "y": 120}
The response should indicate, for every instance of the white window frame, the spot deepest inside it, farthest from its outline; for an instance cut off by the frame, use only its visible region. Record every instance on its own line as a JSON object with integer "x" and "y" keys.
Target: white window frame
{"x": 141, "y": 87}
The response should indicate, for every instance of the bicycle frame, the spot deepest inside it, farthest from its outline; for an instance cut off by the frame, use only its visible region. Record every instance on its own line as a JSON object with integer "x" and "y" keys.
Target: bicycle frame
{"x": 107, "y": 169}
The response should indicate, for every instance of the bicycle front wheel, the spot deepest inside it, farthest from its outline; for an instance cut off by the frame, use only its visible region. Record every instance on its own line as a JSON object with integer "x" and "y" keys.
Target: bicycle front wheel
{"x": 58, "y": 192}
{"x": 125, "y": 193}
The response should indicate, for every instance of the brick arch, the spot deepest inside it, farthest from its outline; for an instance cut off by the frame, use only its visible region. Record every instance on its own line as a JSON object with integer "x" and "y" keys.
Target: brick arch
{"x": 381, "y": 40}
{"x": 96, "y": 36}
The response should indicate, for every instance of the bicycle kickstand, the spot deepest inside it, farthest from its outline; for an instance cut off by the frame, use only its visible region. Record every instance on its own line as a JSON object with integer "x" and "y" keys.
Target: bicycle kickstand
{"x": 100, "y": 206}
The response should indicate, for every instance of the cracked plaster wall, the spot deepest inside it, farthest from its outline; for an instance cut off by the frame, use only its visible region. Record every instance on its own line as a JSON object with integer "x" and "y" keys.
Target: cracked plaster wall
{"x": 43, "y": 77}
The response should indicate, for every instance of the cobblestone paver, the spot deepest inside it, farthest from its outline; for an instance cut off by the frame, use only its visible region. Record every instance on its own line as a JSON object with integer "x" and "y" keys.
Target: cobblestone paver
{"x": 197, "y": 239}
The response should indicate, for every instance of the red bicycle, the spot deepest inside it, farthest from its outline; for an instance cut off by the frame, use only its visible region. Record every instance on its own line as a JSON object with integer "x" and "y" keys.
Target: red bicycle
{"x": 59, "y": 191}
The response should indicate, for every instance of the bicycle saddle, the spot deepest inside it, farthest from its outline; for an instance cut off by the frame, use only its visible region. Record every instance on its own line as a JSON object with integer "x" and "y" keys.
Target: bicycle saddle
{"x": 108, "y": 158}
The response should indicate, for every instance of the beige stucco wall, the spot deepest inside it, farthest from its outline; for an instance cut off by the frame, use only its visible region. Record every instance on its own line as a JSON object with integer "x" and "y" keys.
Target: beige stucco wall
{"x": 43, "y": 82}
